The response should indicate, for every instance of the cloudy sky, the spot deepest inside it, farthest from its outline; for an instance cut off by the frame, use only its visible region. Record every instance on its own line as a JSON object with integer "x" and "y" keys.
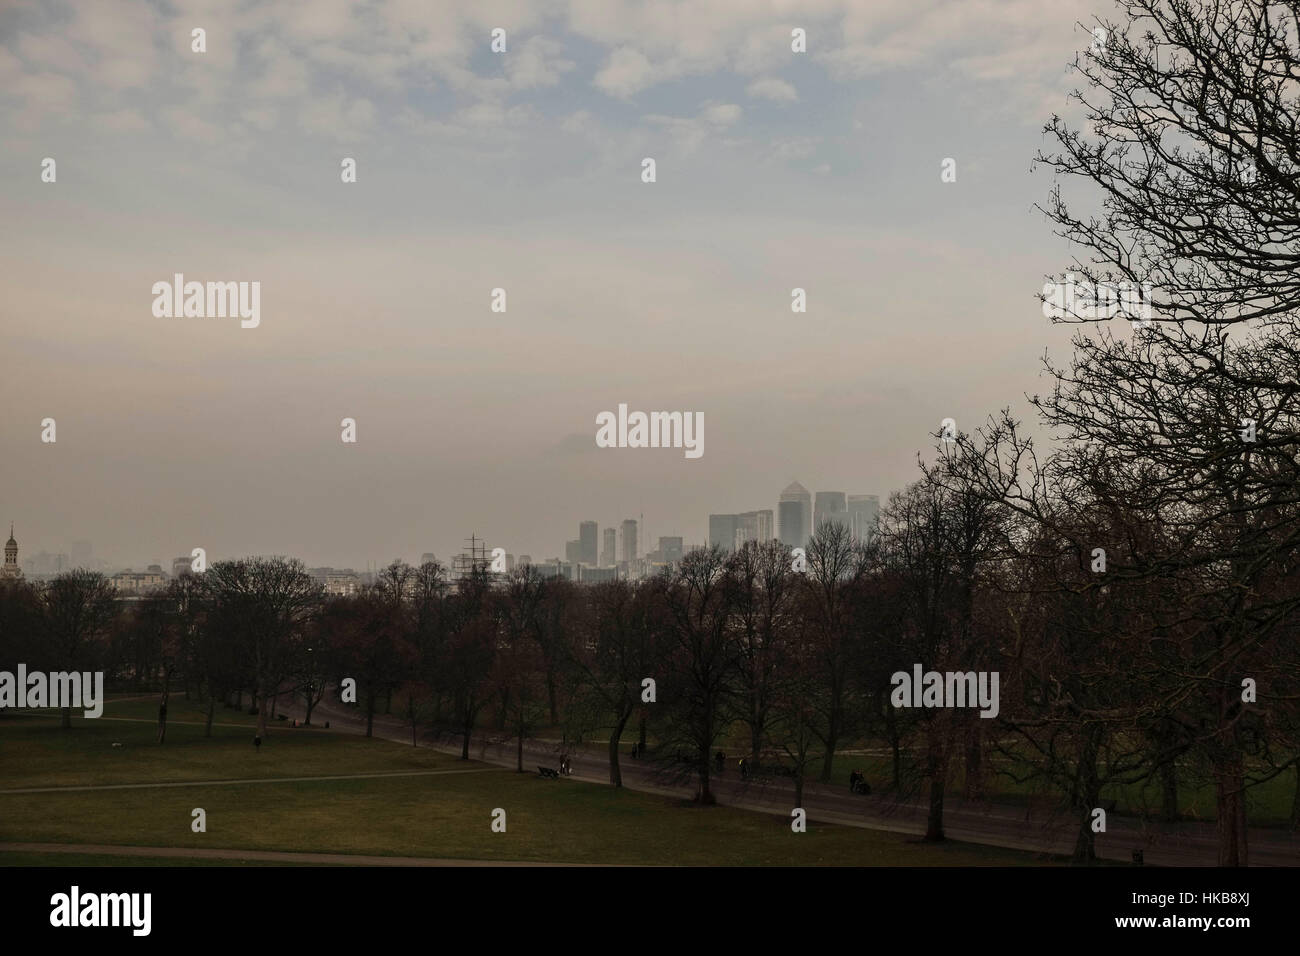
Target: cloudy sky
{"x": 519, "y": 170}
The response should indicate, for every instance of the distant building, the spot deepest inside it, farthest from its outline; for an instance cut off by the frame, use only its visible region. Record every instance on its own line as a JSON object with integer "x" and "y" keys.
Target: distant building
{"x": 11, "y": 571}
{"x": 428, "y": 558}
{"x": 590, "y": 575}
{"x": 138, "y": 582}
{"x": 753, "y": 526}
{"x": 609, "y": 553}
{"x": 864, "y": 517}
{"x": 629, "y": 540}
{"x": 794, "y": 515}
{"x": 830, "y": 509}
{"x": 182, "y": 566}
{"x": 722, "y": 531}
{"x": 555, "y": 568}
{"x": 670, "y": 550}
{"x": 587, "y": 542}
{"x": 573, "y": 551}
{"x": 337, "y": 583}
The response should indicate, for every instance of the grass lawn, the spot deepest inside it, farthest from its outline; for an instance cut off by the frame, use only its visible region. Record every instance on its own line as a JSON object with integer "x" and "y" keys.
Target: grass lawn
{"x": 14, "y": 858}
{"x": 433, "y": 816}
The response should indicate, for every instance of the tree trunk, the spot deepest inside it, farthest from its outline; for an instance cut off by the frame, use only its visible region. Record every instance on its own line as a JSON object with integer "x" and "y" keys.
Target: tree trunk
{"x": 641, "y": 742}
{"x": 370, "y": 715}
{"x": 1231, "y": 813}
{"x": 704, "y": 795}
{"x": 212, "y": 709}
{"x": 259, "y": 701}
{"x": 1169, "y": 792}
{"x": 615, "y": 736}
{"x": 311, "y": 704}
{"x": 937, "y": 771}
{"x": 519, "y": 751}
{"x": 974, "y": 787}
{"x": 832, "y": 738}
{"x": 1295, "y": 799}
{"x": 1087, "y": 797}
{"x": 798, "y": 788}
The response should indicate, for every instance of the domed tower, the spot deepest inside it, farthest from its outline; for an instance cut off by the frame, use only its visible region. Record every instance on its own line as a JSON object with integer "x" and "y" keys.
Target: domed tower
{"x": 11, "y": 569}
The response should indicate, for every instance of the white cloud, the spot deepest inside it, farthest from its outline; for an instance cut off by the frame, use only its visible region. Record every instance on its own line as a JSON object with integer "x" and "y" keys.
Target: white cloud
{"x": 627, "y": 71}
{"x": 537, "y": 62}
{"x": 770, "y": 88}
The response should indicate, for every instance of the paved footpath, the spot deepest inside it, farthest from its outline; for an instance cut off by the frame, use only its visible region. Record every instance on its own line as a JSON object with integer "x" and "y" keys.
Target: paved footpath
{"x": 1003, "y": 825}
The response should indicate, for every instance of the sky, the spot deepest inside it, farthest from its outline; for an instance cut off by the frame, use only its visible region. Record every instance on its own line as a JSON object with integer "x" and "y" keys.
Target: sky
{"x": 519, "y": 170}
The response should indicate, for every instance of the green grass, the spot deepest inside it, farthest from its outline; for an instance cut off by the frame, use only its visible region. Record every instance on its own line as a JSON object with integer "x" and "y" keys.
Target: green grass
{"x": 36, "y": 752}
{"x": 23, "y": 858}
{"x": 431, "y": 816}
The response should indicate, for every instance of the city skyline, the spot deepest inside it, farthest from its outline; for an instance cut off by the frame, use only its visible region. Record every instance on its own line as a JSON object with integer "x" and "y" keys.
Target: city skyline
{"x": 45, "y": 558}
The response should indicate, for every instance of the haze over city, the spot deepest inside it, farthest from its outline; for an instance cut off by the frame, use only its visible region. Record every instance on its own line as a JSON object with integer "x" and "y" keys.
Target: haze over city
{"x": 774, "y": 172}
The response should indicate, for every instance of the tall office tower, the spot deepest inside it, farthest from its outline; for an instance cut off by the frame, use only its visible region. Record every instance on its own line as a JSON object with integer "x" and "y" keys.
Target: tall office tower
{"x": 428, "y": 558}
{"x": 722, "y": 531}
{"x": 629, "y": 539}
{"x": 609, "y": 553}
{"x": 864, "y": 513}
{"x": 573, "y": 552}
{"x": 753, "y": 526}
{"x": 794, "y": 513}
{"x": 670, "y": 550}
{"x": 587, "y": 539}
{"x": 746, "y": 529}
{"x": 830, "y": 507}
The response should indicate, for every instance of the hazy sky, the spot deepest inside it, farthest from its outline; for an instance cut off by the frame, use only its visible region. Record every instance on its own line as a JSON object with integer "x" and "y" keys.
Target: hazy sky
{"x": 522, "y": 171}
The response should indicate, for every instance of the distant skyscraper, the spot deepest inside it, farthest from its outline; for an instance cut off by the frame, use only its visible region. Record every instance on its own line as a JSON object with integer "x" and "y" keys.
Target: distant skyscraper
{"x": 753, "y": 526}
{"x": 864, "y": 513}
{"x": 629, "y": 539}
{"x": 722, "y": 531}
{"x": 573, "y": 551}
{"x": 670, "y": 550}
{"x": 587, "y": 543}
{"x": 831, "y": 508}
{"x": 794, "y": 513}
{"x": 609, "y": 554}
